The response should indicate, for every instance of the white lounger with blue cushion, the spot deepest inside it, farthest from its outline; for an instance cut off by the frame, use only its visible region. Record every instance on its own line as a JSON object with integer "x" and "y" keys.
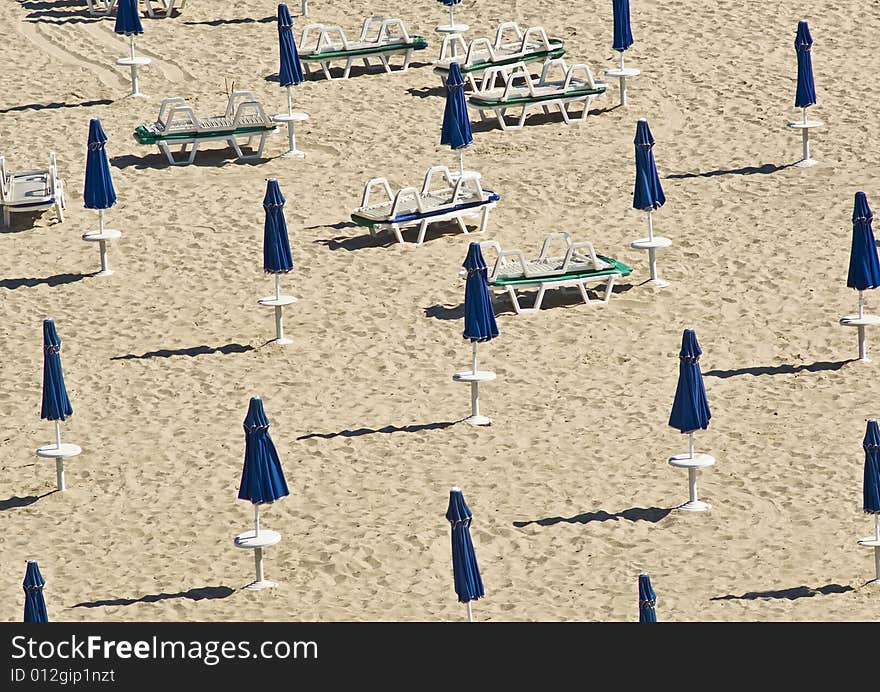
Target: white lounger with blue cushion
{"x": 31, "y": 191}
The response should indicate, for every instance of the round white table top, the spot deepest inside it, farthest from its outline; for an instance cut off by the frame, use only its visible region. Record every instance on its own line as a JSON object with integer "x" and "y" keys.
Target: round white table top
{"x": 648, "y": 244}
{"x": 451, "y": 28}
{"x": 625, "y": 72}
{"x": 685, "y": 461}
{"x": 870, "y": 542}
{"x": 471, "y": 376}
{"x": 137, "y": 60}
{"x": 805, "y": 125}
{"x": 62, "y": 452}
{"x": 290, "y": 117}
{"x": 107, "y": 234}
{"x": 273, "y": 302}
{"x": 863, "y": 321}
{"x": 249, "y": 539}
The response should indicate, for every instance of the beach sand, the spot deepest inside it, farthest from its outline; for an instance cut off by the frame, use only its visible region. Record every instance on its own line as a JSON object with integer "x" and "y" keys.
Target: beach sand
{"x": 571, "y": 493}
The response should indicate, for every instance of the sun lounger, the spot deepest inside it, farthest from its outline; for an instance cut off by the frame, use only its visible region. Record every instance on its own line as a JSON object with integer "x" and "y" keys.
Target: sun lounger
{"x": 518, "y": 90}
{"x": 178, "y": 124}
{"x": 31, "y": 191}
{"x": 322, "y": 43}
{"x": 481, "y": 54}
{"x": 164, "y": 7}
{"x": 578, "y": 266}
{"x": 459, "y": 196}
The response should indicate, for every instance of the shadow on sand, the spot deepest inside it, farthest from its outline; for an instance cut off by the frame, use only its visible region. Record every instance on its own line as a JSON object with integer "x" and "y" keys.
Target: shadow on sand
{"x": 651, "y": 514}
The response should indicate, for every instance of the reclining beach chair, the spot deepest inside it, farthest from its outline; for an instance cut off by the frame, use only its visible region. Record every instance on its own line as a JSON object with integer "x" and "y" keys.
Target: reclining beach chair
{"x": 178, "y": 124}
{"x": 575, "y": 85}
{"x": 31, "y": 191}
{"x": 578, "y": 266}
{"x": 164, "y": 7}
{"x": 481, "y": 54}
{"x": 459, "y": 196}
{"x": 323, "y": 43}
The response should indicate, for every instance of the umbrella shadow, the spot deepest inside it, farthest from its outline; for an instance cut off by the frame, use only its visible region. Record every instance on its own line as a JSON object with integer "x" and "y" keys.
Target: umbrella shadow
{"x": 240, "y": 20}
{"x": 198, "y": 594}
{"x": 789, "y": 594}
{"x": 15, "y": 502}
{"x": 388, "y": 429}
{"x": 445, "y": 312}
{"x": 651, "y": 514}
{"x": 205, "y": 157}
{"x": 533, "y": 119}
{"x": 765, "y": 169}
{"x": 427, "y": 92}
{"x": 786, "y": 369}
{"x": 339, "y": 226}
{"x": 356, "y": 71}
{"x": 192, "y": 352}
{"x": 56, "y": 280}
{"x": 387, "y": 239}
{"x": 55, "y": 104}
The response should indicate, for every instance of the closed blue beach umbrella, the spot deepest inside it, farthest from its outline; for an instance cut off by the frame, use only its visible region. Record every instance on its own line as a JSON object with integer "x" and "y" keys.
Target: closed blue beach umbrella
{"x": 34, "y": 602}
{"x": 276, "y": 243}
{"x": 128, "y": 19}
{"x": 290, "y": 72}
{"x": 456, "y": 130}
{"x": 806, "y": 89}
{"x": 465, "y": 570}
{"x": 648, "y": 193}
{"x": 479, "y": 317}
{"x": 647, "y": 600}
{"x": 262, "y": 479}
{"x": 690, "y": 409}
{"x": 56, "y": 404}
{"x": 864, "y": 266}
{"x": 871, "y": 487}
{"x": 98, "y": 192}
{"x": 623, "y": 37}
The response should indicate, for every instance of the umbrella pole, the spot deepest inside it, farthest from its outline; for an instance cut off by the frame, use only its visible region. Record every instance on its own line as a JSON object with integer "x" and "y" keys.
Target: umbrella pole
{"x": 131, "y": 45}
{"x": 860, "y": 305}
{"x": 451, "y": 16}
{"x": 691, "y": 445}
{"x": 475, "y": 386}
{"x": 460, "y": 162}
{"x": 256, "y": 520}
{"x": 59, "y": 461}
{"x": 58, "y": 434}
{"x": 289, "y": 101}
{"x": 806, "y": 136}
{"x": 474, "y": 357}
{"x": 470, "y": 612}
{"x": 305, "y": 8}
{"x": 622, "y": 83}
{"x": 277, "y": 286}
{"x": 101, "y": 221}
{"x": 877, "y": 530}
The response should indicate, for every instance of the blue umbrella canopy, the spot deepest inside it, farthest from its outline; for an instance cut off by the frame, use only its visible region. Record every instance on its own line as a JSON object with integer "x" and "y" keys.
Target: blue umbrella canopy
{"x": 806, "y": 89}
{"x": 34, "y": 603}
{"x": 623, "y": 38}
{"x": 276, "y": 244}
{"x": 456, "y": 130}
{"x": 98, "y": 192}
{"x": 864, "y": 266}
{"x": 479, "y": 317}
{"x": 871, "y": 487}
{"x": 262, "y": 479}
{"x": 647, "y": 600}
{"x": 128, "y": 19}
{"x": 690, "y": 410}
{"x": 290, "y": 73}
{"x": 465, "y": 570}
{"x": 56, "y": 404}
{"x": 647, "y": 195}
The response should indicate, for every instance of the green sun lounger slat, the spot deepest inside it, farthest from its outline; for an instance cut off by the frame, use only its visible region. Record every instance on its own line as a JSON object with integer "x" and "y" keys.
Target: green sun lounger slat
{"x": 617, "y": 267}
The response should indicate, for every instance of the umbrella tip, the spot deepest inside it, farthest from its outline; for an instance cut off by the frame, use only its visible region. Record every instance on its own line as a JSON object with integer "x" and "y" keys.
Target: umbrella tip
{"x": 643, "y": 120}
{"x": 455, "y": 489}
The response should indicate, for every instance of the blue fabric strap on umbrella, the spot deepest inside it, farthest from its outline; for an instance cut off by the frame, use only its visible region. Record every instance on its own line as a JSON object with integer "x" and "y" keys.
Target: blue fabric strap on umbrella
{"x": 479, "y": 317}
{"x": 690, "y": 410}
{"x": 864, "y": 266}
{"x": 466, "y": 571}
{"x": 98, "y": 192}
{"x": 128, "y": 19}
{"x": 806, "y": 89}
{"x": 290, "y": 72}
{"x": 871, "y": 488}
{"x": 647, "y": 194}
{"x": 34, "y": 602}
{"x": 56, "y": 404}
{"x": 262, "y": 479}
{"x": 276, "y": 243}
{"x": 622, "y": 33}
{"x": 647, "y": 600}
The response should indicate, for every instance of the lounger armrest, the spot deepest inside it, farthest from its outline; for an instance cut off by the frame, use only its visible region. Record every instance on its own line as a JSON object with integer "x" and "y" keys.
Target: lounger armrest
{"x": 370, "y": 22}
{"x": 550, "y": 237}
{"x": 574, "y": 69}
{"x": 518, "y": 71}
{"x": 395, "y": 206}
{"x": 325, "y": 38}
{"x": 237, "y": 97}
{"x": 501, "y": 260}
{"x": 185, "y": 110}
{"x": 389, "y": 24}
{"x": 431, "y": 173}
{"x": 584, "y": 245}
{"x": 541, "y": 35}
{"x": 368, "y": 189}
{"x": 468, "y": 179}
{"x": 249, "y": 107}
{"x": 166, "y": 104}
{"x": 474, "y": 47}
{"x": 307, "y": 30}
{"x": 549, "y": 65}
{"x": 491, "y": 75}
{"x": 502, "y": 27}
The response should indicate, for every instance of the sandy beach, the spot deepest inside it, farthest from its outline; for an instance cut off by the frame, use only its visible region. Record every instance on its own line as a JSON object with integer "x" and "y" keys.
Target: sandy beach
{"x": 570, "y": 488}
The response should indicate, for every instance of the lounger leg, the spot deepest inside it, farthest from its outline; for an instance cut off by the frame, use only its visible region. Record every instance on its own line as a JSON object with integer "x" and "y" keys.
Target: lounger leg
{"x": 7, "y": 217}
{"x": 522, "y": 118}
{"x": 461, "y": 224}
{"x": 406, "y": 59}
{"x": 499, "y": 114}
{"x": 423, "y": 227}
{"x": 325, "y": 66}
{"x": 372, "y": 230}
{"x": 59, "y": 211}
{"x": 514, "y": 300}
{"x": 348, "y": 64}
{"x": 192, "y": 154}
{"x": 397, "y": 233}
{"x": 484, "y": 220}
{"x": 385, "y": 63}
{"x": 563, "y": 111}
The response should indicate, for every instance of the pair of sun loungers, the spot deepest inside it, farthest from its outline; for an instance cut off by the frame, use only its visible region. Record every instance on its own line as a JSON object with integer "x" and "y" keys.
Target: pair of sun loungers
{"x": 178, "y": 125}
{"x": 31, "y": 191}
{"x": 322, "y": 44}
{"x": 444, "y": 196}
{"x": 163, "y": 7}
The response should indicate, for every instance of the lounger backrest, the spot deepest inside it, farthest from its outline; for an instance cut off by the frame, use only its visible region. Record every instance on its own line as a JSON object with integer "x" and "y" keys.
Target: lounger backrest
{"x": 475, "y": 46}
{"x": 236, "y": 98}
{"x": 507, "y": 26}
{"x": 432, "y": 173}
{"x": 4, "y": 184}
{"x": 324, "y": 41}
{"x": 519, "y": 72}
{"x": 547, "y": 70}
{"x": 537, "y": 34}
{"x": 584, "y": 70}
{"x": 384, "y": 30}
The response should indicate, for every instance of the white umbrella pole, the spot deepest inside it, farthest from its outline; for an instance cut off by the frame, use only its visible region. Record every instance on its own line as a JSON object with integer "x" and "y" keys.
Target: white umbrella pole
{"x": 305, "y": 8}
{"x": 58, "y": 434}
{"x": 691, "y": 445}
{"x": 474, "y": 357}
{"x": 131, "y": 45}
{"x": 806, "y": 138}
{"x": 877, "y": 530}
{"x": 461, "y": 162}
{"x": 101, "y": 221}
{"x": 621, "y": 61}
{"x": 475, "y": 387}
{"x": 451, "y": 16}
{"x": 256, "y": 520}
{"x": 622, "y": 82}
{"x": 59, "y": 461}
{"x": 860, "y": 305}
{"x": 289, "y": 101}
{"x": 650, "y": 227}
{"x": 470, "y": 612}
{"x": 277, "y": 286}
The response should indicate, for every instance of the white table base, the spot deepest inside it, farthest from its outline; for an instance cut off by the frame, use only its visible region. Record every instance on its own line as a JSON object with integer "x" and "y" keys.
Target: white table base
{"x": 621, "y": 75}
{"x": 474, "y": 378}
{"x": 861, "y": 322}
{"x": 256, "y": 542}
{"x": 692, "y": 463}
{"x": 278, "y": 303}
{"x": 102, "y": 239}
{"x": 134, "y": 63}
{"x": 652, "y": 245}
{"x": 872, "y": 542}
{"x": 59, "y": 454}
{"x": 291, "y": 118}
{"x": 805, "y": 127}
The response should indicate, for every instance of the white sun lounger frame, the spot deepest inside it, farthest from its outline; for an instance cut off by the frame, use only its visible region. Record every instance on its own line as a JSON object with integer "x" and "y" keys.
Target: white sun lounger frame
{"x": 553, "y": 279}
{"x": 326, "y": 33}
{"x": 20, "y": 198}
{"x": 503, "y": 48}
{"x": 510, "y": 74}
{"x": 105, "y": 7}
{"x": 176, "y": 115}
{"x": 458, "y": 183}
